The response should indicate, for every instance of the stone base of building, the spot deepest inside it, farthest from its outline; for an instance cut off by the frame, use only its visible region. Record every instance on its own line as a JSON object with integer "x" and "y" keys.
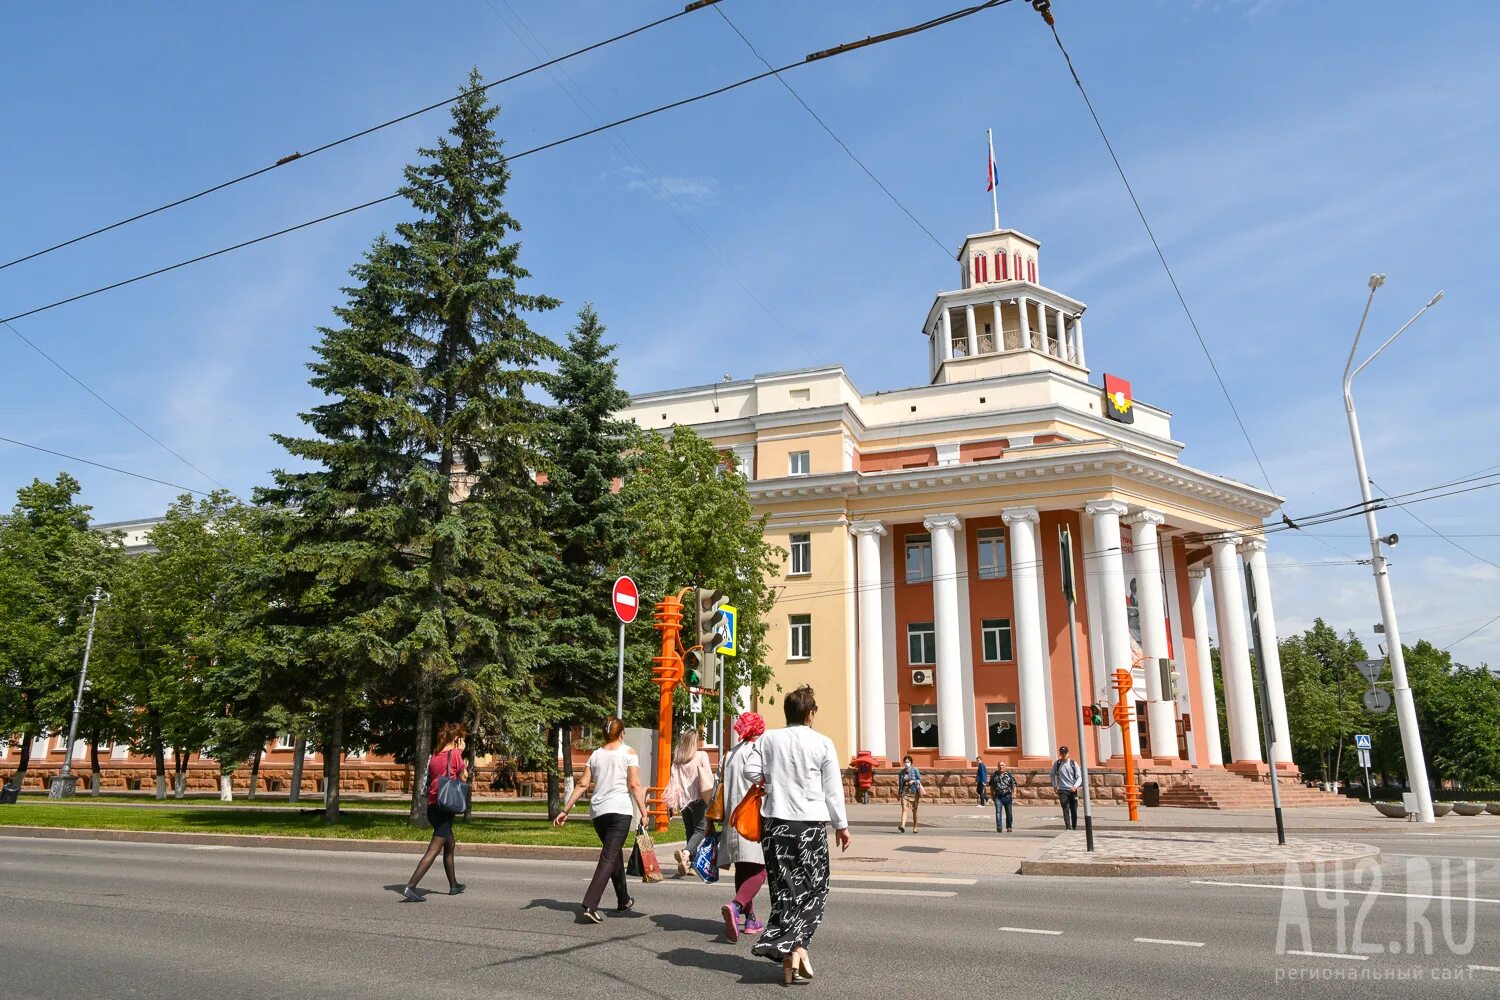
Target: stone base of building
{"x": 353, "y": 777}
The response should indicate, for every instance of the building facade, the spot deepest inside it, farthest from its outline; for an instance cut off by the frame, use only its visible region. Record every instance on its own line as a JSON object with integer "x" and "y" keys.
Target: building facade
{"x": 922, "y": 594}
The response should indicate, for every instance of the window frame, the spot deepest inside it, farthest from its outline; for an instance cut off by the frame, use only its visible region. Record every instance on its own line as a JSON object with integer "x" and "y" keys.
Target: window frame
{"x": 799, "y": 625}
{"x": 1005, "y": 636}
{"x": 926, "y": 713}
{"x": 1002, "y": 709}
{"x": 991, "y": 535}
{"x": 920, "y": 542}
{"x": 799, "y": 542}
{"x": 792, "y": 463}
{"x": 926, "y": 634}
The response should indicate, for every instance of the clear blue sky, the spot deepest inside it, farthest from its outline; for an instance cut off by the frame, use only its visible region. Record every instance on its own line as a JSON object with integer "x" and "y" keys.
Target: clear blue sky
{"x": 1282, "y": 150}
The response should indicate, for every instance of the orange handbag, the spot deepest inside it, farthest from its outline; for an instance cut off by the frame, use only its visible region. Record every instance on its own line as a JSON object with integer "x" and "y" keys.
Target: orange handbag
{"x": 746, "y": 816}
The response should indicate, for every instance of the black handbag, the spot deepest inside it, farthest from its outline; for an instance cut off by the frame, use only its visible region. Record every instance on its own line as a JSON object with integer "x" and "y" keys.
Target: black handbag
{"x": 452, "y": 794}
{"x": 635, "y": 868}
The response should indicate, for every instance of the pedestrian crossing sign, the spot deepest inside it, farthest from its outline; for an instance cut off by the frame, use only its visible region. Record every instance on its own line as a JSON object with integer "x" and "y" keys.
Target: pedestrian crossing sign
{"x": 1361, "y": 741}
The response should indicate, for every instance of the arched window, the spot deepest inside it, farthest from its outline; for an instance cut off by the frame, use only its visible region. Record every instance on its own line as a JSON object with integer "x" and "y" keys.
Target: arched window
{"x": 1031, "y": 270}
{"x": 1017, "y": 261}
{"x": 1002, "y": 267}
{"x": 981, "y": 269}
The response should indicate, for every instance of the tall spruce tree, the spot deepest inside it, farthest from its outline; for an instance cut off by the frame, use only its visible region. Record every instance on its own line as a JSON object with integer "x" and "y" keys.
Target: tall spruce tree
{"x": 585, "y": 446}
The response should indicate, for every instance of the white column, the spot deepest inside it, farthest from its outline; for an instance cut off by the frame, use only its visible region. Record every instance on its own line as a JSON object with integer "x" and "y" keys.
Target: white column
{"x": 1148, "y": 595}
{"x": 1025, "y": 323}
{"x": 999, "y": 327}
{"x": 1254, "y": 552}
{"x": 969, "y": 319}
{"x": 1206, "y": 712}
{"x": 1106, "y": 520}
{"x": 1184, "y": 702}
{"x": 1107, "y": 738}
{"x": 1025, "y": 568}
{"x": 1078, "y": 336}
{"x": 1062, "y": 334}
{"x": 867, "y": 536}
{"x": 949, "y": 672}
{"x": 1234, "y": 657}
{"x": 1041, "y": 325}
{"x": 945, "y": 328}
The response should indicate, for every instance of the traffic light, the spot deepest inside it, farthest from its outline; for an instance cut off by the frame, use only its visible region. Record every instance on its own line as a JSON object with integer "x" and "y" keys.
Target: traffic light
{"x": 1097, "y": 715}
{"x": 692, "y": 662}
{"x": 713, "y": 630}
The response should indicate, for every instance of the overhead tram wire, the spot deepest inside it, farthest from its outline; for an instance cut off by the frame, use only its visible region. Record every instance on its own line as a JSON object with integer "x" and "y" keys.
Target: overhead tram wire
{"x": 101, "y": 465}
{"x": 834, "y": 136}
{"x": 296, "y": 156}
{"x": 1182, "y": 300}
{"x": 113, "y": 408}
{"x": 812, "y": 58}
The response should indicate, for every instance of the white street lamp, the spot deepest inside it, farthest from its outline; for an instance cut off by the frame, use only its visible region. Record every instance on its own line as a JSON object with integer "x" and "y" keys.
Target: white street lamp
{"x": 1406, "y": 709}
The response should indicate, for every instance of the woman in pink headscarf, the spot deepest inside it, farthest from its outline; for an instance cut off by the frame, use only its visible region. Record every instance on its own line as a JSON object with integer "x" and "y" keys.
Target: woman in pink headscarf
{"x": 749, "y": 863}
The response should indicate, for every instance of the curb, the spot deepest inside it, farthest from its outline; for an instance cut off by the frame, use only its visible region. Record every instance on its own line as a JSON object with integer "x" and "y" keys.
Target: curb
{"x": 546, "y": 852}
{"x": 1125, "y": 869}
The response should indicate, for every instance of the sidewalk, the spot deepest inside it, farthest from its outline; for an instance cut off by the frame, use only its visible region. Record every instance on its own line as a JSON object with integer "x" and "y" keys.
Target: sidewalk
{"x": 1136, "y": 854}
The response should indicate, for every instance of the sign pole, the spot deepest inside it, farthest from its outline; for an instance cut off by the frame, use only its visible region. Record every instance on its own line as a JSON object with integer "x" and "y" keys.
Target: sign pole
{"x": 1265, "y": 704}
{"x": 1065, "y": 539}
{"x": 620, "y": 679}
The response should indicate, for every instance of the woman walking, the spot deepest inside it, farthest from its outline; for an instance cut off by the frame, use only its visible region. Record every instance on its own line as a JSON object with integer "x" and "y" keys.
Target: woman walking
{"x": 688, "y": 790}
{"x": 749, "y": 862}
{"x": 909, "y": 792}
{"x": 803, "y": 794}
{"x": 614, "y": 773}
{"x": 447, "y": 761}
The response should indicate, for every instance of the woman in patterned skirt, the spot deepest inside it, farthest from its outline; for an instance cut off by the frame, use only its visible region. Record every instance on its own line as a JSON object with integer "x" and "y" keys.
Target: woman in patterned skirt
{"x": 804, "y": 792}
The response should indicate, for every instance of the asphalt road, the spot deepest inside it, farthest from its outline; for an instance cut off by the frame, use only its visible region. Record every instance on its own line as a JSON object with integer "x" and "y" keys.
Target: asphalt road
{"x": 101, "y": 920}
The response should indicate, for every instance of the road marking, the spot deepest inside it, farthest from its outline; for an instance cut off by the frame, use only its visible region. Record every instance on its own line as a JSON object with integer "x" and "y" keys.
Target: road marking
{"x": 912, "y": 879}
{"x": 1484, "y": 968}
{"x": 1347, "y": 892}
{"x": 1185, "y": 944}
{"x": 1436, "y": 857}
{"x": 1029, "y": 930}
{"x": 892, "y": 892}
{"x": 1329, "y": 954}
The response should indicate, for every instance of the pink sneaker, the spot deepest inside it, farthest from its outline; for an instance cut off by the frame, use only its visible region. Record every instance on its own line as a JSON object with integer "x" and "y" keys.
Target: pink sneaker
{"x": 753, "y": 926}
{"x": 732, "y": 916}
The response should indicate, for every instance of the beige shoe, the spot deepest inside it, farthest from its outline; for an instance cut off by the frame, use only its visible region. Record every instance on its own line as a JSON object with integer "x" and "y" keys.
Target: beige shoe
{"x": 682, "y": 863}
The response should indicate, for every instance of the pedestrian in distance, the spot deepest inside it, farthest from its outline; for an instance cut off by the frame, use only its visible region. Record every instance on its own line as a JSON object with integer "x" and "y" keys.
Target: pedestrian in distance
{"x": 613, "y": 772}
{"x": 746, "y": 855}
{"x": 447, "y": 761}
{"x": 908, "y": 793}
{"x": 981, "y": 779}
{"x": 1067, "y": 779}
{"x": 804, "y": 792}
{"x": 688, "y": 790}
{"x": 1003, "y": 790}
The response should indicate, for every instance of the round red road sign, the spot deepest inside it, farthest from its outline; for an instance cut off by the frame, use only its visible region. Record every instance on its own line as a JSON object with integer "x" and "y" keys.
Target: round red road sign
{"x": 626, "y": 599}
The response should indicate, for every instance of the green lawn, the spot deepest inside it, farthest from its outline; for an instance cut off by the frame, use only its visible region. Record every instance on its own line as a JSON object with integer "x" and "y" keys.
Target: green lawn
{"x": 192, "y": 819}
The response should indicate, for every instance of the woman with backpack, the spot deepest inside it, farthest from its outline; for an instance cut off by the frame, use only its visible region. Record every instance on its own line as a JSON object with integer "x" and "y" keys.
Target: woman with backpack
{"x": 447, "y": 761}
{"x": 687, "y": 793}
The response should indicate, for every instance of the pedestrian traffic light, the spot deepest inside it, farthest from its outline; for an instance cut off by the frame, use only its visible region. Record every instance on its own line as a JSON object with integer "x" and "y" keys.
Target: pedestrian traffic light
{"x": 692, "y": 662}
{"x": 713, "y": 630}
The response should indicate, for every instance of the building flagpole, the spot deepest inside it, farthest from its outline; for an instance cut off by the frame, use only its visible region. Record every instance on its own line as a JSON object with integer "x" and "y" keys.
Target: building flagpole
{"x": 994, "y": 181}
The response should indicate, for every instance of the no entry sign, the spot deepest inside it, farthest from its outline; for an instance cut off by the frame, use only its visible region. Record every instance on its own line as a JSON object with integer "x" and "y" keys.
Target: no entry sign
{"x": 626, "y": 599}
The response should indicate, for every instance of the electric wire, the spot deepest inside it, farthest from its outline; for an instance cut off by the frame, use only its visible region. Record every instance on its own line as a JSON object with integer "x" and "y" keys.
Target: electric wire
{"x": 1182, "y": 300}
{"x": 296, "y": 156}
{"x": 683, "y": 102}
{"x": 101, "y": 465}
{"x": 112, "y": 407}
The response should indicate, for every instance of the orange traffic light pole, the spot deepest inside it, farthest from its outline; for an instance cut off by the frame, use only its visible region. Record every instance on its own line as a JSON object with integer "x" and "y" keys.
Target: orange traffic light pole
{"x": 667, "y": 672}
{"x": 1123, "y": 685}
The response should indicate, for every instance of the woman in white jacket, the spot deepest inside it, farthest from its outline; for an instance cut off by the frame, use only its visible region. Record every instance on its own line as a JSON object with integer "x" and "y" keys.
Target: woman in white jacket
{"x": 746, "y": 856}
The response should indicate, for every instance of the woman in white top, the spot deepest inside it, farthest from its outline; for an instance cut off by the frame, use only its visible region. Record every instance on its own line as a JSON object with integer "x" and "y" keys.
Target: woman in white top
{"x": 688, "y": 790}
{"x": 804, "y": 793}
{"x": 749, "y": 863}
{"x": 614, "y": 773}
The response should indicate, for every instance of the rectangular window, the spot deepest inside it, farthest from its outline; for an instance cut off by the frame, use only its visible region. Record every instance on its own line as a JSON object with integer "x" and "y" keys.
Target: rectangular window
{"x": 921, "y": 644}
{"x": 800, "y": 647}
{"x": 918, "y": 558}
{"x": 285, "y": 741}
{"x": 992, "y": 554}
{"x": 924, "y": 730}
{"x": 997, "y": 639}
{"x": 1000, "y": 723}
{"x": 801, "y": 555}
{"x": 799, "y": 463}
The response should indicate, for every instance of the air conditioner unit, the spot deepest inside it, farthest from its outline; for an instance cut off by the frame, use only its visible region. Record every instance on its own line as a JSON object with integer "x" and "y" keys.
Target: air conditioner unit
{"x": 922, "y": 678}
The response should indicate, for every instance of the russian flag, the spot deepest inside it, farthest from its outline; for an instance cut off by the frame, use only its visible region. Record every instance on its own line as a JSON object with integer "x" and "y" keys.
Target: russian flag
{"x": 993, "y": 172}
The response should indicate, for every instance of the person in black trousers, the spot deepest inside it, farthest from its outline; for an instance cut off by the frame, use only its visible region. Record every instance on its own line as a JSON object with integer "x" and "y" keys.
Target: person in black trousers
{"x": 1067, "y": 779}
{"x": 614, "y": 773}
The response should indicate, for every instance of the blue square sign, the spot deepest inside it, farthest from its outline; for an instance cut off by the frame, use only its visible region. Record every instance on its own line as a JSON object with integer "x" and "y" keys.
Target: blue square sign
{"x": 1361, "y": 741}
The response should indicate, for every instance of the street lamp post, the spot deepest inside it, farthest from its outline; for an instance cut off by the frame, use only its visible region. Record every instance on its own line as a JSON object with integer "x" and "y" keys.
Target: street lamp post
{"x": 1406, "y": 709}
{"x": 65, "y": 783}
